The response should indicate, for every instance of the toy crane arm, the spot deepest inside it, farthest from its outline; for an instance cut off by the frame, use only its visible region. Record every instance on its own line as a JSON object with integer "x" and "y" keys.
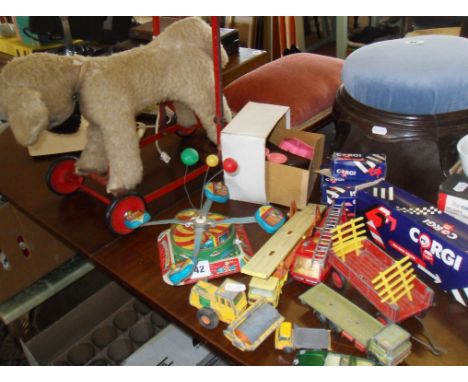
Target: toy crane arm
{"x": 240, "y": 220}
{"x": 166, "y": 221}
{"x": 197, "y": 245}
{"x": 206, "y": 207}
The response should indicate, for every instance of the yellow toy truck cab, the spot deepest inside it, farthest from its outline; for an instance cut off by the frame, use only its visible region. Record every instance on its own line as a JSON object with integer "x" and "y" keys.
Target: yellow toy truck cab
{"x": 224, "y": 303}
{"x": 270, "y": 288}
{"x": 284, "y": 337}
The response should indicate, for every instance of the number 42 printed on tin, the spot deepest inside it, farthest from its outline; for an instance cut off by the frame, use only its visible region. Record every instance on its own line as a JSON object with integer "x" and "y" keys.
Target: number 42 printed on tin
{"x": 202, "y": 270}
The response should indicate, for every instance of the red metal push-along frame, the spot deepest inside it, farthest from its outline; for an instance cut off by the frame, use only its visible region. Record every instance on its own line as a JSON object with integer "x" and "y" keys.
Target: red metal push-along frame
{"x": 67, "y": 181}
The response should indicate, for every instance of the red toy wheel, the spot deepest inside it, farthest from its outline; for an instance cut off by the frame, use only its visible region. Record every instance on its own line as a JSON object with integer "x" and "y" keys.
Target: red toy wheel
{"x": 61, "y": 178}
{"x": 116, "y": 212}
{"x": 339, "y": 281}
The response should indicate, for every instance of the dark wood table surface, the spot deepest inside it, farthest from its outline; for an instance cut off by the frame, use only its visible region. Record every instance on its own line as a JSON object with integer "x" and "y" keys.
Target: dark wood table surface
{"x": 133, "y": 260}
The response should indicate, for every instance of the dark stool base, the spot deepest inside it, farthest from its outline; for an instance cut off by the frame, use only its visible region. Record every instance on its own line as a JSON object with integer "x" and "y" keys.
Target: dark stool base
{"x": 420, "y": 148}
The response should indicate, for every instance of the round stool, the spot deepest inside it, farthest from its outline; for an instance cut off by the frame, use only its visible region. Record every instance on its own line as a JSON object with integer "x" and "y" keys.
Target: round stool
{"x": 305, "y": 82}
{"x": 405, "y": 90}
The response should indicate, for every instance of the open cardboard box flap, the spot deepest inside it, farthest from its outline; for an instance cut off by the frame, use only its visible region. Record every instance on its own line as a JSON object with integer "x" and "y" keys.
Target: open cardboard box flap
{"x": 287, "y": 183}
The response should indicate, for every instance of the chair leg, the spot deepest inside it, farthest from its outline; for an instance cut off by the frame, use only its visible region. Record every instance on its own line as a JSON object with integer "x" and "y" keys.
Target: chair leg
{"x": 342, "y": 130}
{"x": 317, "y": 26}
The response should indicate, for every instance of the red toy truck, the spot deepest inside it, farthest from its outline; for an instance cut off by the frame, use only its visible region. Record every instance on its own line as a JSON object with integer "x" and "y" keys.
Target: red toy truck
{"x": 360, "y": 270}
{"x": 310, "y": 257}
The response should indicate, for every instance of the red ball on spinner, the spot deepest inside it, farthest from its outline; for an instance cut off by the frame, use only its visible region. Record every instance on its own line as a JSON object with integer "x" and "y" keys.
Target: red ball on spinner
{"x": 230, "y": 165}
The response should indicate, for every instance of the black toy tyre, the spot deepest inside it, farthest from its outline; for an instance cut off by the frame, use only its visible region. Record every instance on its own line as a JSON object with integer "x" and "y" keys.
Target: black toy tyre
{"x": 116, "y": 212}
{"x": 422, "y": 314}
{"x": 335, "y": 329}
{"x": 207, "y": 318}
{"x": 339, "y": 281}
{"x": 61, "y": 178}
{"x": 288, "y": 350}
{"x": 322, "y": 319}
{"x": 381, "y": 318}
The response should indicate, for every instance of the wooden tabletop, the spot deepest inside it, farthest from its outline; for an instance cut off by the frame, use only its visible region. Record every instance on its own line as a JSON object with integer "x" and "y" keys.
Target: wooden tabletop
{"x": 133, "y": 260}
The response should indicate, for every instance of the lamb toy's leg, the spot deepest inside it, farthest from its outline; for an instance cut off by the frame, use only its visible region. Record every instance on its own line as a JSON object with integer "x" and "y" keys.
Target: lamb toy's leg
{"x": 202, "y": 103}
{"x": 185, "y": 116}
{"x": 123, "y": 152}
{"x": 93, "y": 158}
{"x": 227, "y": 111}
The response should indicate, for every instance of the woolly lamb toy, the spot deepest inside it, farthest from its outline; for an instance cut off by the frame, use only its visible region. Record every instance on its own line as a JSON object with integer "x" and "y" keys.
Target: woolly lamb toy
{"x": 39, "y": 92}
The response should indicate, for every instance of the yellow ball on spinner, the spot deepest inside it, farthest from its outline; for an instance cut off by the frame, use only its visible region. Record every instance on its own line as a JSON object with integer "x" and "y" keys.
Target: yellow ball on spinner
{"x": 212, "y": 160}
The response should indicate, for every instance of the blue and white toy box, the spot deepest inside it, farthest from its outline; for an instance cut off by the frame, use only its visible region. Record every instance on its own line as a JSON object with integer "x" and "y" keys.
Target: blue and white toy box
{"x": 338, "y": 190}
{"x": 404, "y": 224}
{"x": 359, "y": 167}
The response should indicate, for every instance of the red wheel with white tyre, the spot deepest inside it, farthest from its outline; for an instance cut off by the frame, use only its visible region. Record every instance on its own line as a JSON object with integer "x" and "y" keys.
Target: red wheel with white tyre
{"x": 61, "y": 177}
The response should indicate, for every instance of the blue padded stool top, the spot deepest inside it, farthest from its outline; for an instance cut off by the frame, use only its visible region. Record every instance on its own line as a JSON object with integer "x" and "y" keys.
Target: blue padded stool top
{"x": 418, "y": 75}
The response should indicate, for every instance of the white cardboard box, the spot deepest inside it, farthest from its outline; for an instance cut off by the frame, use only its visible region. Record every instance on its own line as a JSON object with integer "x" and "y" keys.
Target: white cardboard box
{"x": 256, "y": 180}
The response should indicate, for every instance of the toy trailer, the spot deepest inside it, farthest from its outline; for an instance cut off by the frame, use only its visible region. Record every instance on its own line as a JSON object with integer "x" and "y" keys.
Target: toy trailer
{"x": 360, "y": 269}
{"x": 253, "y": 326}
{"x": 389, "y": 345}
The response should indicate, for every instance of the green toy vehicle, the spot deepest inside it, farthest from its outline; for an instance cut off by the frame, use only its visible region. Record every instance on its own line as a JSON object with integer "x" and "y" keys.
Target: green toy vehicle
{"x": 389, "y": 345}
{"x": 325, "y": 358}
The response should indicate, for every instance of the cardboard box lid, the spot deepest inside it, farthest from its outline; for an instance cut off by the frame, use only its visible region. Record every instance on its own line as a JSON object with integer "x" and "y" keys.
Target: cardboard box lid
{"x": 261, "y": 115}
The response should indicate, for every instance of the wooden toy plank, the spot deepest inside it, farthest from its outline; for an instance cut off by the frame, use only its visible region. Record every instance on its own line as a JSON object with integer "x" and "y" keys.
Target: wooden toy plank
{"x": 270, "y": 255}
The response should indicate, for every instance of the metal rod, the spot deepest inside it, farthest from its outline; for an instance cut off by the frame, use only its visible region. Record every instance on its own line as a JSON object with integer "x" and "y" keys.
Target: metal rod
{"x": 156, "y": 26}
{"x": 175, "y": 184}
{"x": 217, "y": 78}
{"x": 155, "y": 137}
{"x": 95, "y": 194}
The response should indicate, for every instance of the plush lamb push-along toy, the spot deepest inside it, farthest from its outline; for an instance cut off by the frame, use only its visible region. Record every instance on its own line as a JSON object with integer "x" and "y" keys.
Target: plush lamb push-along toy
{"x": 39, "y": 91}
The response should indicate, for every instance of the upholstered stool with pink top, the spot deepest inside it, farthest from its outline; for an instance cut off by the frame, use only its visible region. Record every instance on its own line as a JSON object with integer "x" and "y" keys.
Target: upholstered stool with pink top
{"x": 305, "y": 82}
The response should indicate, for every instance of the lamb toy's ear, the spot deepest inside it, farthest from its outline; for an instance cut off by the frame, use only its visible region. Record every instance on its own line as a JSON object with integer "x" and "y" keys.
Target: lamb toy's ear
{"x": 27, "y": 114}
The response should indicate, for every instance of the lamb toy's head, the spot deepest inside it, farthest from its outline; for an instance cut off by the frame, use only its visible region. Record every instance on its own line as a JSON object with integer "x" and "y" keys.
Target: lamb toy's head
{"x": 37, "y": 93}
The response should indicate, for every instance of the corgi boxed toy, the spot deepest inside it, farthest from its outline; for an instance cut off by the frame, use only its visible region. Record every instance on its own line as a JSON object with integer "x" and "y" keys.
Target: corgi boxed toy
{"x": 404, "y": 224}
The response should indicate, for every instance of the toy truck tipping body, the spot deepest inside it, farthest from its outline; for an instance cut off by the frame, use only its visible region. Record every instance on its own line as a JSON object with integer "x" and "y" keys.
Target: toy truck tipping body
{"x": 389, "y": 345}
{"x": 224, "y": 303}
{"x": 253, "y": 326}
{"x": 359, "y": 269}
